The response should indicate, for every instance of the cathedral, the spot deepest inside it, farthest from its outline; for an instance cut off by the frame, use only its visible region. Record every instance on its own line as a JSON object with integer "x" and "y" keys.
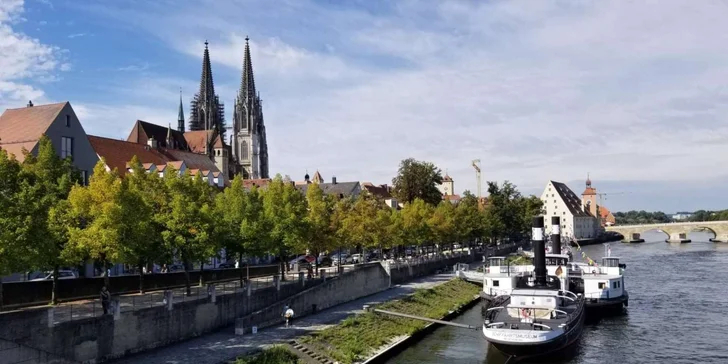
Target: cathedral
{"x": 246, "y": 151}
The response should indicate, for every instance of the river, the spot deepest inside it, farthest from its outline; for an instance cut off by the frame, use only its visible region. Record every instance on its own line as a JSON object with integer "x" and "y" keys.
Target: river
{"x": 678, "y": 312}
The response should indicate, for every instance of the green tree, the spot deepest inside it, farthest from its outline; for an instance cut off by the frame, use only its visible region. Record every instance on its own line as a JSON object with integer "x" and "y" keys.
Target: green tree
{"x": 417, "y": 180}
{"x": 318, "y": 221}
{"x": 415, "y": 217}
{"x": 444, "y": 225}
{"x": 285, "y": 210}
{"x": 45, "y": 181}
{"x": 470, "y": 219}
{"x": 255, "y": 228}
{"x": 98, "y": 231}
{"x": 360, "y": 223}
{"x": 141, "y": 233}
{"x": 188, "y": 224}
{"x": 14, "y": 242}
{"x": 342, "y": 209}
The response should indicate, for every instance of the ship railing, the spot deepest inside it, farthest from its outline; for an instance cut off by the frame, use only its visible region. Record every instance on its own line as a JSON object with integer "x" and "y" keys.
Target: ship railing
{"x": 571, "y": 293}
{"x": 498, "y": 292}
{"x": 542, "y": 326}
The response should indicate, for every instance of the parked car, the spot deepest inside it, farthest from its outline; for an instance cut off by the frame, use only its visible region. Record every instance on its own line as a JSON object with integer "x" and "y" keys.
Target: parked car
{"x": 325, "y": 262}
{"x": 62, "y": 274}
{"x": 357, "y": 258}
{"x": 226, "y": 266}
{"x": 176, "y": 268}
{"x": 345, "y": 259}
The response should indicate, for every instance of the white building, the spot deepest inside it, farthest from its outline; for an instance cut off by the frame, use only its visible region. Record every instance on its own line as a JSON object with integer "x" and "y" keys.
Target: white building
{"x": 447, "y": 187}
{"x": 576, "y": 220}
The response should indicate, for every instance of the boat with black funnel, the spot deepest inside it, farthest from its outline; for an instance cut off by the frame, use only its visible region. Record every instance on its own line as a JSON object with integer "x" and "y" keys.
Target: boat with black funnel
{"x": 540, "y": 316}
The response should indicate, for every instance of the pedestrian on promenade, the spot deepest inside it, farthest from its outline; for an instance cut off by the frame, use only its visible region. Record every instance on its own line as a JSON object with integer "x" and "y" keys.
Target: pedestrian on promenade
{"x": 105, "y": 299}
{"x": 288, "y": 314}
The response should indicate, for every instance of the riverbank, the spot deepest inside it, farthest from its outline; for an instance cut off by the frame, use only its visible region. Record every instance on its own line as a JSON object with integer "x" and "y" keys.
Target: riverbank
{"x": 365, "y": 335}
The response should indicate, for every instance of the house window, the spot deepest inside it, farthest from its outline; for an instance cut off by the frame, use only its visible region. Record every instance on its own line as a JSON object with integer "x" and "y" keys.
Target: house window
{"x": 66, "y": 147}
{"x": 496, "y": 283}
{"x": 68, "y": 121}
{"x": 84, "y": 178}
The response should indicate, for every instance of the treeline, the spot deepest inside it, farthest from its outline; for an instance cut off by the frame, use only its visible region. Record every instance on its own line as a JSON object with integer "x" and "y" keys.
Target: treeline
{"x": 49, "y": 220}
{"x": 641, "y": 217}
{"x": 707, "y": 215}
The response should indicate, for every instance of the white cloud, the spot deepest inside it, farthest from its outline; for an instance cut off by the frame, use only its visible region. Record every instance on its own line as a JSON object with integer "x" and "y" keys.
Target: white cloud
{"x": 76, "y": 35}
{"x": 536, "y": 89}
{"x": 24, "y": 59}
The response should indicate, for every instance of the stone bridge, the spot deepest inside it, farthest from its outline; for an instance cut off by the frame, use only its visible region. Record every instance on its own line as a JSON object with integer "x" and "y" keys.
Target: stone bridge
{"x": 676, "y": 231}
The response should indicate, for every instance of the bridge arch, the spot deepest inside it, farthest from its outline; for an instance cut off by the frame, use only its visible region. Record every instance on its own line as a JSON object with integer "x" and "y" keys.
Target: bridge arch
{"x": 700, "y": 229}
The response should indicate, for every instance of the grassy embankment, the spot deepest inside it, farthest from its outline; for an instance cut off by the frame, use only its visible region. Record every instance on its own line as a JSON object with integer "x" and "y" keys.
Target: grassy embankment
{"x": 360, "y": 336}
{"x": 273, "y": 355}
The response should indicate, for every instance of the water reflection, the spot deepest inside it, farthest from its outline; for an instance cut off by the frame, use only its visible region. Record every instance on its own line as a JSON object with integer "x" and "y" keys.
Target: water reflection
{"x": 673, "y": 296}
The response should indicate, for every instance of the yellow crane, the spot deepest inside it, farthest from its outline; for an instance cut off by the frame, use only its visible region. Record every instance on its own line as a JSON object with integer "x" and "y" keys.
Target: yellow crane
{"x": 476, "y": 165}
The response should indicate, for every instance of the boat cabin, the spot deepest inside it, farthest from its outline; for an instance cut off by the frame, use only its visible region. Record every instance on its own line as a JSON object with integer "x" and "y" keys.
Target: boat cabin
{"x": 501, "y": 277}
{"x": 605, "y": 281}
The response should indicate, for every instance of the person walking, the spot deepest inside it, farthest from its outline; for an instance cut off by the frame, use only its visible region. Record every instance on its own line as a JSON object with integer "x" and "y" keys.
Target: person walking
{"x": 288, "y": 314}
{"x": 105, "y": 299}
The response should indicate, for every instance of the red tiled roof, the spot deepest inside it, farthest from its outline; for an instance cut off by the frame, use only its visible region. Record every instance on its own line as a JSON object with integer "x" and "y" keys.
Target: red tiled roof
{"x": 142, "y": 131}
{"x": 381, "y": 191}
{"x": 589, "y": 191}
{"x": 117, "y": 153}
{"x": 261, "y": 182}
{"x": 196, "y": 140}
{"x": 604, "y": 212}
{"x": 22, "y": 127}
{"x": 451, "y": 197}
{"x": 192, "y": 160}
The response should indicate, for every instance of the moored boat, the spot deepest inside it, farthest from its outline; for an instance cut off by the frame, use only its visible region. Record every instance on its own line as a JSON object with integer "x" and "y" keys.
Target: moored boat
{"x": 540, "y": 316}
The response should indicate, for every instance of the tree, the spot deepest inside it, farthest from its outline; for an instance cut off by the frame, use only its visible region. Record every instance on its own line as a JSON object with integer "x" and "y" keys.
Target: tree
{"x": 100, "y": 216}
{"x": 188, "y": 224}
{"x": 444, "y": 224}
{"x": 469, "y": 218}
{"x": 285, "y": 209}
{"x": 360, "y": 223}
{"x": 13, "y": 247}
{"x": 254, "y": 229}
{"x": 141, "y": 234}
{"x": 318, "y": 221}
{"x": 414, "y": 222}
{"x": 417, "y": 180}
{"x": 45, "y": 181}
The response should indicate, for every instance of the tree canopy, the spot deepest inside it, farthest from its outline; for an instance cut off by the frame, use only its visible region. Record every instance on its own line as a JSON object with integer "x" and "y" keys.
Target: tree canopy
{"x": 417, "y": 180}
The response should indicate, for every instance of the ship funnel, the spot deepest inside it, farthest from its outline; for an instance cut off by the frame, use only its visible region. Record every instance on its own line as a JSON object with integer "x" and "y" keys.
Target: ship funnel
{"x": 539, "y": 251}
{"x": 556, "y": 234}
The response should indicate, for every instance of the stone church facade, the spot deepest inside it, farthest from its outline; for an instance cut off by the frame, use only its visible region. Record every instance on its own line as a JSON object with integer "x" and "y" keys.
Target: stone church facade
{"x": 245, "y": 150}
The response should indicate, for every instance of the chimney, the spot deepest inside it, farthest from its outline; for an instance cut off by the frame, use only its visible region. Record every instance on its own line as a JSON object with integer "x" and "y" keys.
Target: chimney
{"x": 152, "y": 143}
{"x": 539, "y": 252}
{"x": 333, "y": 180}
{"x": 556, "y": 234}
{"x": 30, "y": 103}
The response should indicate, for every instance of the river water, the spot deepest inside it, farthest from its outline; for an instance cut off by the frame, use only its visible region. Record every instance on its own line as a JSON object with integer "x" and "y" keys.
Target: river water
{"x": 678, "y": 312}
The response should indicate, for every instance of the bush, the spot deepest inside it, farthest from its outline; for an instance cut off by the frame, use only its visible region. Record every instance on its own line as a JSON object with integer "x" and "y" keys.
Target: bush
{"x": 274, "y": 355}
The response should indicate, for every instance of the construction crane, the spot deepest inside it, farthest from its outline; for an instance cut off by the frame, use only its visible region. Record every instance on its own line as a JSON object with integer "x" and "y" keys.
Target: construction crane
{"x": 476, "y": 165}
{"x": 602, "y": 196}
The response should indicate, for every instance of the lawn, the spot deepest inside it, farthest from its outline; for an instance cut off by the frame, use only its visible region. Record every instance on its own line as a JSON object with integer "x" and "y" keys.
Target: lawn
{"x": 358, "y": 337}
{"x": 273, "y": 355}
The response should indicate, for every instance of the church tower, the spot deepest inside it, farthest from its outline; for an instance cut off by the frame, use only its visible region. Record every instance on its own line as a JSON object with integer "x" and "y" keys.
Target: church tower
{"x": 180, "y": 115}
{"x": 250, "y": 147}
{"x": 206, "y": 110}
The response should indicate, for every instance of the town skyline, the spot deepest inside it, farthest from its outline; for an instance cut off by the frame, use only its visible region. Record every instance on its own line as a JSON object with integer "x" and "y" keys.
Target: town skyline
{"x": 457, "y": 89}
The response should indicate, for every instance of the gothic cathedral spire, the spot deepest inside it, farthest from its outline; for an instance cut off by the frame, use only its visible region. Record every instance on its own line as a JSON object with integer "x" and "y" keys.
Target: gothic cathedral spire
{"x": 180, "y": 115}
{"x": 206, "y": 110}
{"x": 250, "y": 147}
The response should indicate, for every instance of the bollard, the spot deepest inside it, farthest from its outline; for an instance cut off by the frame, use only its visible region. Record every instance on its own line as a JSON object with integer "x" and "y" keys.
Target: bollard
{"x": 51, "y": 316}
{"x": 301, "y": 280}
{"x": 249, "y": 288}
{"x": 211, "y": 293}
{"x": 239, "y": 326}
{"x": 168, "y": 298}
{"x": 116, "y": 307}
{"x": 277, "y": 282}
{"x": 323, "y": 275}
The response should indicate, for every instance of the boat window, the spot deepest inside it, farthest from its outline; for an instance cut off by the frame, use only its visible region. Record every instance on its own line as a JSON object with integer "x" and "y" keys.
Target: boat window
{"x": 602, "y": 285}
{"x": 496, "y": 283}
{"x": 614, "y": 285}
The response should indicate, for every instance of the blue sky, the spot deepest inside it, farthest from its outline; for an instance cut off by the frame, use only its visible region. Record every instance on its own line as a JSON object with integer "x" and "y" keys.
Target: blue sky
{"x": 632, "y": 92}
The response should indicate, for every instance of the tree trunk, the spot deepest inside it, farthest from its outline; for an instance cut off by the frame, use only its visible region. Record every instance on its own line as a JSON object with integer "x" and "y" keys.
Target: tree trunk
{"x": 284, "y": 266}
{"x": 202, "y": 270}
{"x": 106, "y": 274}
{"x": 1, "y": 294}
{"x": 187, "y": 278}
{"x": 54, "y": 294}
{"x": 240, "y": 268}
{"x": 141, "y": 278}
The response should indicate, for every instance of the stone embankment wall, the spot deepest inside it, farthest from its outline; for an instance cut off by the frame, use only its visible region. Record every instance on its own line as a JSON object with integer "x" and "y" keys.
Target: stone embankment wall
{"x": 98, "y": 339}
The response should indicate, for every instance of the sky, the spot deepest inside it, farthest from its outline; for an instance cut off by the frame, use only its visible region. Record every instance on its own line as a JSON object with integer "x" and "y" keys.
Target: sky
{"x": 632, "y": 92}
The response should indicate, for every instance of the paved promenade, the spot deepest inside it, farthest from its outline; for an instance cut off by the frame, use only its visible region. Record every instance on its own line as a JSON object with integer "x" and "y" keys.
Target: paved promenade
{"x": 224, "y": 345}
